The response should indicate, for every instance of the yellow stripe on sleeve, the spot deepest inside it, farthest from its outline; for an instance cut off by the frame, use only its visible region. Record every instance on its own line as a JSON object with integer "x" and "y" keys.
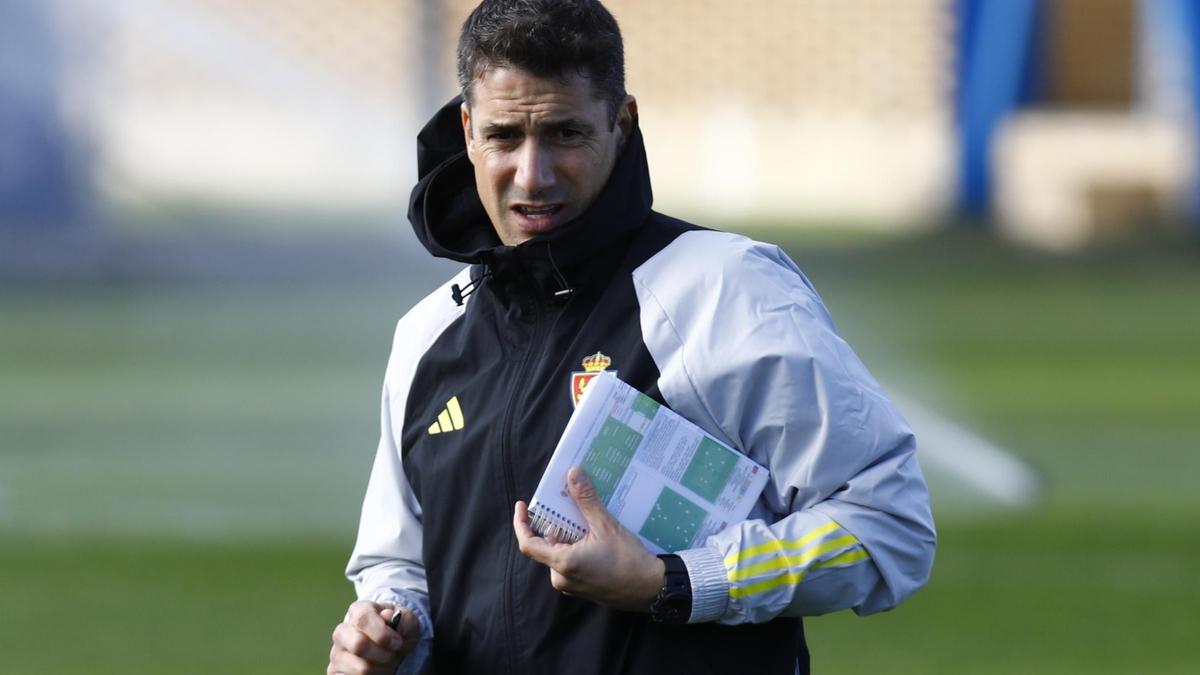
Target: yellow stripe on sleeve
{"x": 764, "y": 586}
{"x": 800, "y": 560}
{"x": 795, "y": 578}
{"x": 847, "y": 558}
{"x": 776, "y": 546}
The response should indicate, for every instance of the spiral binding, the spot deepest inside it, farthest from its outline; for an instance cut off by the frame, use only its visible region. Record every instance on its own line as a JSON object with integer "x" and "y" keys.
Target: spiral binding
{"x": 551, "y": 524}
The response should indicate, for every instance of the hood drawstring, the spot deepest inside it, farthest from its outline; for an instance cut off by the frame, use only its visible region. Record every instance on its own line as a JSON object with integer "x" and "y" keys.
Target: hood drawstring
{"x": 565, "y": 291}
{"x": 461, "y": 293}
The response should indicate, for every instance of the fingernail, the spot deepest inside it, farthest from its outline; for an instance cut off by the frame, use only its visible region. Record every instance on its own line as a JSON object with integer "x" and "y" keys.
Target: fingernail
{"x": 577, "y": 477}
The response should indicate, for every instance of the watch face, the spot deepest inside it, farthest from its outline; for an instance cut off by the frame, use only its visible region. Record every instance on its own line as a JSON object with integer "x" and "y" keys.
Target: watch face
{"x": 675, "y": 610}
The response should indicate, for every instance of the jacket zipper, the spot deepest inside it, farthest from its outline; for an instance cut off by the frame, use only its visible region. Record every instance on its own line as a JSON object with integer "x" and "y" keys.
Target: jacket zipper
{"x": 510, "y": 483}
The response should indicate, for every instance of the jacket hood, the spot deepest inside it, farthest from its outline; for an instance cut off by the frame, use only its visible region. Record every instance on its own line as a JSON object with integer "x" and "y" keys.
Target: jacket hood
{"x": 450, "y": 221}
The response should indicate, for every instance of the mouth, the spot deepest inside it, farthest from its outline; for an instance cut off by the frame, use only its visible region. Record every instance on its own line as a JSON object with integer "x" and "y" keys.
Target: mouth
{"x": 540, "y": 211}
{"x": 537, "y": 217}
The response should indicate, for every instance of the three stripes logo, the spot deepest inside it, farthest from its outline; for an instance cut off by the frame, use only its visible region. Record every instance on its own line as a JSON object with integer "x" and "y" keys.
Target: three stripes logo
{"x": 450, "y": 419}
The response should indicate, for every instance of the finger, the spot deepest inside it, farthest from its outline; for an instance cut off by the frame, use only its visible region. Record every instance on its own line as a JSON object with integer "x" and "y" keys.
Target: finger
{"x": 348, "y": 639}
{"x": 389, "y": 614}
{"x": 523, "y": 528}
{"x": 368, "y": 619}
{"x": 583, "y": 491}
{"x": 531, "y": 545}
{"x": 350, "y": 664}
{"x": 409, "y": 628}
{"x": 567, "y": 585}
{"x": 521, "y": 521}
{"x": 405, "y": 622}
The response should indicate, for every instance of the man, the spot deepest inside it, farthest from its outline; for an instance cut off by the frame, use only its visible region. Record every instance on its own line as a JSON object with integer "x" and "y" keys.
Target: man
{"x": 538, "y": 180}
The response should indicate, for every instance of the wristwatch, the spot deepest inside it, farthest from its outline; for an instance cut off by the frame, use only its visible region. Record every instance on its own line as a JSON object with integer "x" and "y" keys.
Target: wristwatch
{"x": 673, "y": 604}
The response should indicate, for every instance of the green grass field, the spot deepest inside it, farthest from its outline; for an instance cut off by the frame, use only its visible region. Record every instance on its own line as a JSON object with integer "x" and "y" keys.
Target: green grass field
{"x": 181, "y": 463}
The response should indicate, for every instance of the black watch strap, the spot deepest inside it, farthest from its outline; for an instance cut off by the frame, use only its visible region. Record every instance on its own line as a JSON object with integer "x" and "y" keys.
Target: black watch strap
{"x": 673, "y": 604}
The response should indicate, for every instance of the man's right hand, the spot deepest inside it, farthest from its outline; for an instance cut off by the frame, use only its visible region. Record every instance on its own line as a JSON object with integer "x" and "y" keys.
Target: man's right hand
{"x": 364, "y": 644}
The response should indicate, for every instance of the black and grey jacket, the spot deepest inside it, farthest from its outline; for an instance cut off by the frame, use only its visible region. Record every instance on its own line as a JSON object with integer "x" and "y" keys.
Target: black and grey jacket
{"x": 722, "y": 329}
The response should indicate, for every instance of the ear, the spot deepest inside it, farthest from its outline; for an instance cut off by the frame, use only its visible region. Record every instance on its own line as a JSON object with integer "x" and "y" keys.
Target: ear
{"x": 627, "y": 117}
{"x": 468, "y": 137}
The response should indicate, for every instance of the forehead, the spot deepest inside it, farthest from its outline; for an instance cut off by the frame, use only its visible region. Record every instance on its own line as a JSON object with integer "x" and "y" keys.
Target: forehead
{"x": 513, "y": 95}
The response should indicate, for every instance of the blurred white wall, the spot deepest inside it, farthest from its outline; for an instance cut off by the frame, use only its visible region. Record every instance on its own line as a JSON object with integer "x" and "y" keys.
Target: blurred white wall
{"x": 811, "y": 110}
{"x": 280, "y": 103}
{"x": 798, "y": 111}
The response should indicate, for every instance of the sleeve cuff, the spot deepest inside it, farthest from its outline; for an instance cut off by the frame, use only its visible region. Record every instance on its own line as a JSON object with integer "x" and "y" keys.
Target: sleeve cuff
{"x": 710, "y": 587}
{"x": 417, "y": 660}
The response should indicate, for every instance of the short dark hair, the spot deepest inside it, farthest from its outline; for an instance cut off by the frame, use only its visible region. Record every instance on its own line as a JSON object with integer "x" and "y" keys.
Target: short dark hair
{"x": 547, "y": 38}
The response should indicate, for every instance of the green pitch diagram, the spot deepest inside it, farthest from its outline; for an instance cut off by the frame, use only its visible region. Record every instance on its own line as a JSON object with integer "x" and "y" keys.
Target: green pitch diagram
{"x": 709, "y": 470}
{"x": 610, "y": 455}
{"x": 673, "y": 521}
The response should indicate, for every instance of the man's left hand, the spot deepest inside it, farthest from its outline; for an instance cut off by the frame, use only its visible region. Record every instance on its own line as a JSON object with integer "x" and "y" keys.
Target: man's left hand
{"x": 609, "y": 566}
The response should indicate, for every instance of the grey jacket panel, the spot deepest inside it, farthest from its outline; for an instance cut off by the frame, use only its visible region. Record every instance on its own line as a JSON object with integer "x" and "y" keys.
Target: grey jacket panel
{"x": 386, "y": 565}
{"x": 747, "y": 350}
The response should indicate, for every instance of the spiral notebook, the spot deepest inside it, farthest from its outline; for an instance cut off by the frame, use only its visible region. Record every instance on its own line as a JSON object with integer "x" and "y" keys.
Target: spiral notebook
{"x": 663, "y": 477}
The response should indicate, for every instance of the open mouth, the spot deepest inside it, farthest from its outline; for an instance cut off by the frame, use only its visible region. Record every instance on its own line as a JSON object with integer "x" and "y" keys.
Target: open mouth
{"x": 538, "y": 212}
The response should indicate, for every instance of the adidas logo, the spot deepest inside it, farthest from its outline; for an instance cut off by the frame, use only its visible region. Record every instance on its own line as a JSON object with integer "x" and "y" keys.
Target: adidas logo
{"x": 450, "y": 419}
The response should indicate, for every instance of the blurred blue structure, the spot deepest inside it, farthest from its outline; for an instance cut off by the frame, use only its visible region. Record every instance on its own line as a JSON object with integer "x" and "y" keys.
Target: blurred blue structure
{"x": 1002, "y": 63}
{"x": 42, "y": 172}
{"x": 1188, "y": 12}
{"x": 996, "y": 48}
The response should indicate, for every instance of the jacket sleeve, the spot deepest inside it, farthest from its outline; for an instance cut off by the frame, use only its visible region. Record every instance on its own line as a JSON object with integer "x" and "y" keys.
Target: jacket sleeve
{"x": 387, "y": 564}
{"x": 749, "y": 352}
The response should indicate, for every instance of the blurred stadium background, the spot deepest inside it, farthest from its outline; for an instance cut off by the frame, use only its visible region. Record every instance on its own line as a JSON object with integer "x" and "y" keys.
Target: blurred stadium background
{"x": 203, "y": 253}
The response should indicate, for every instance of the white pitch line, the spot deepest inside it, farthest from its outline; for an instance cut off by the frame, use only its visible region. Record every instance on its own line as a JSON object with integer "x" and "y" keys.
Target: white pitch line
{"x": 976, "y": 461}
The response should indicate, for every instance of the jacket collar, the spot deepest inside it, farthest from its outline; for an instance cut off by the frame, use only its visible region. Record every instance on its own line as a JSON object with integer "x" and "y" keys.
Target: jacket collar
{"x": 449, "y": 219}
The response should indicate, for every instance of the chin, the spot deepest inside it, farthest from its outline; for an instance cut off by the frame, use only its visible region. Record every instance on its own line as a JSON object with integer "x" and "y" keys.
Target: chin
{"x": 525, "y": 235}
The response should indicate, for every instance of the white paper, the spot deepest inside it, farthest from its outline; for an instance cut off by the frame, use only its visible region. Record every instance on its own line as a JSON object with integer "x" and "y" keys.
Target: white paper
{"x": 663, "y": 477}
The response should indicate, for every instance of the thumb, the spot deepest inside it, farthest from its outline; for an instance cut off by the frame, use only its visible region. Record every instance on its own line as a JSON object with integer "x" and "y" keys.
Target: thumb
{"x": 583, "y": 491}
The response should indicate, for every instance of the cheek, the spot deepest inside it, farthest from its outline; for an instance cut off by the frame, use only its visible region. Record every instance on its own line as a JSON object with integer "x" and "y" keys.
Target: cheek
{"x": 491, "y": 173}
{"x": 595, "y": 174}
{"x": 584, "y": 168}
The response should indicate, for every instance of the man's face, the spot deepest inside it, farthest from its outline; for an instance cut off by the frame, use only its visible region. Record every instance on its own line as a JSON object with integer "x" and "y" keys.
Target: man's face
{"x": 542, "y": 148}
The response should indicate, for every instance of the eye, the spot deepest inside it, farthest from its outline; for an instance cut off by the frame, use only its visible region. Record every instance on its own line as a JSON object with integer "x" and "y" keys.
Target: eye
{"x": 568, "y": 134}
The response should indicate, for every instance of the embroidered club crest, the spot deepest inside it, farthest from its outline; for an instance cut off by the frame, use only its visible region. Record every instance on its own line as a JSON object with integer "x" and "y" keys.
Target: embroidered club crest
{"x": 592, "y": 366}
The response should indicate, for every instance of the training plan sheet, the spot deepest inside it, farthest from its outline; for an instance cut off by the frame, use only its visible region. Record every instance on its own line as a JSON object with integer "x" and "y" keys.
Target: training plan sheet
{"x": 661, "y": 476}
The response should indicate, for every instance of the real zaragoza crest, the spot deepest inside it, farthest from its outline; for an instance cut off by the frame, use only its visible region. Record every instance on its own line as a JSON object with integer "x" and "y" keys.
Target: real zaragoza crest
{"x": 592, "y": 366}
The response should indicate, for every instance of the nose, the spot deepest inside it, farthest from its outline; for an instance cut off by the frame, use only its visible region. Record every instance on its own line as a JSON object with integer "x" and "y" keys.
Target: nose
{"x": 535, "y": 168}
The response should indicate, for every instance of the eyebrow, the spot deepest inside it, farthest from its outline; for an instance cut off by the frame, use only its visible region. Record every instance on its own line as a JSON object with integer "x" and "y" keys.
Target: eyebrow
{"x": 571, "y": 123}
{"x": 493, "y": 127}
{"x": 565, "y": 123}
